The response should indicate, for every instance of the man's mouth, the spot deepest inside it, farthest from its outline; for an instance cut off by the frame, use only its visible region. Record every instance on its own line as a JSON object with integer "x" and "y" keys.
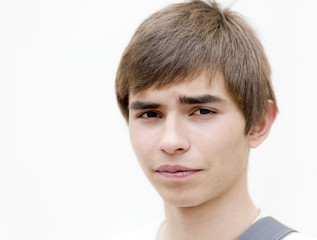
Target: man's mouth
{"x": 176, "y": 172}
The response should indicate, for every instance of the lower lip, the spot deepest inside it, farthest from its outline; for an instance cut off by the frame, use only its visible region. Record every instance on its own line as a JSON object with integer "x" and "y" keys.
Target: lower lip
{"x": 178, "y": 175}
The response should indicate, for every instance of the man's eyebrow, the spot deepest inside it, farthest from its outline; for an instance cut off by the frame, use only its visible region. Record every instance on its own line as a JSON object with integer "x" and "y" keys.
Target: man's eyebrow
{"x": 139, "y": 105}
{"x": 201, "y": 99}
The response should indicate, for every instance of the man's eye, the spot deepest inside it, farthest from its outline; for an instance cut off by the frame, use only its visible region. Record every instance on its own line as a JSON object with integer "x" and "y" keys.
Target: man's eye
{"x": 150, "y": 114}
{"x": 203, "y": 111}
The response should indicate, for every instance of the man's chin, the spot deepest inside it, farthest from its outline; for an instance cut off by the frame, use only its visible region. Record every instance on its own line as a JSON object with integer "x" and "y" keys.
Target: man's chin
{"x": 182, "y": 202}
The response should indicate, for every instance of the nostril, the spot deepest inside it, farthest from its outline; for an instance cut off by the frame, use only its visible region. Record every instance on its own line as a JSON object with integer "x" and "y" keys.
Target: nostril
{"x": 172, "y": 150}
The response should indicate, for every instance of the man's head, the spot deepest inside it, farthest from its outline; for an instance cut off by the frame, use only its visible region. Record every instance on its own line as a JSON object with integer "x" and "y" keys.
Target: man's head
{"x": 184, "y": 40}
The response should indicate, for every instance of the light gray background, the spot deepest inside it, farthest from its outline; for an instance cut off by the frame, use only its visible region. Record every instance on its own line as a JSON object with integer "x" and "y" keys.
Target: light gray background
{"x": 67, "y": 170}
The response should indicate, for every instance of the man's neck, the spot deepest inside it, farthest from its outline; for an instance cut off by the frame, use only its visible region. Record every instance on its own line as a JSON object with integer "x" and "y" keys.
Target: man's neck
{"x": 225, "y": 218}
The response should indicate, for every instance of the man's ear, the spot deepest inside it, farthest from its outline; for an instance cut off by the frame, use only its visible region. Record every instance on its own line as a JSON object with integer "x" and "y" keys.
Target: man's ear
{"x": 261, "y": 130}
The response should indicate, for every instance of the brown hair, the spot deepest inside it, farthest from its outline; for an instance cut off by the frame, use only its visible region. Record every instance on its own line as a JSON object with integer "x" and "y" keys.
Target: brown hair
{"x": 182, "y": 40}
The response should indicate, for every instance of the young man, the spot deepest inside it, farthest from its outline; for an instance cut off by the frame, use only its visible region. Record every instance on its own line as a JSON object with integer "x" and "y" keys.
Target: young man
{"x": 194, "y": 86}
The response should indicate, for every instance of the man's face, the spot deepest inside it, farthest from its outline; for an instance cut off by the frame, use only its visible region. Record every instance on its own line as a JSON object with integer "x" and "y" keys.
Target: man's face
{"x": 189, "y": 139}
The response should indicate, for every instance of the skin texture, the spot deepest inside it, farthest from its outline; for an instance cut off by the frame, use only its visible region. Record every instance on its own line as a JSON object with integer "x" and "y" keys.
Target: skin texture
{"x": 198, "y": 126}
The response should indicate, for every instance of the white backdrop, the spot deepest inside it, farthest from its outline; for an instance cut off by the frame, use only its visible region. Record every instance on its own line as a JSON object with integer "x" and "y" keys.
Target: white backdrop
{"x": 67, "y": 170}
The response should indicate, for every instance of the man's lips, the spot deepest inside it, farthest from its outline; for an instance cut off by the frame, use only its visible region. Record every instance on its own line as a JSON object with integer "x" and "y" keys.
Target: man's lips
{"x": 175, "y": 168}
{"x": 176, "y": 171}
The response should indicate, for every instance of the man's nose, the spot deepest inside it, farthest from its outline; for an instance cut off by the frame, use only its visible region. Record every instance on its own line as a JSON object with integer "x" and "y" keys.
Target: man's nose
{"x": 174, "y": 138}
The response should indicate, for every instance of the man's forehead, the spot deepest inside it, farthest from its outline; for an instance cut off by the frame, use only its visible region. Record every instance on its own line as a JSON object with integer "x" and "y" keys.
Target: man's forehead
{"x": 197, "y": 91}
{"x": 201, "y": 85}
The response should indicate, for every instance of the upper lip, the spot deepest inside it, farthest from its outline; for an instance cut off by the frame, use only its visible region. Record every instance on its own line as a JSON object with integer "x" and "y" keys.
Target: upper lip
{"x": 175, "y": 168}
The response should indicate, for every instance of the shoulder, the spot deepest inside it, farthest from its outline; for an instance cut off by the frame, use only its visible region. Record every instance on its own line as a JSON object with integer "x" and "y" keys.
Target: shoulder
{"x": 291, "y": 236}
{"x": 297, "y": 236}
{"x": 146, "y": 232}
{"x": 269, "y": 224}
